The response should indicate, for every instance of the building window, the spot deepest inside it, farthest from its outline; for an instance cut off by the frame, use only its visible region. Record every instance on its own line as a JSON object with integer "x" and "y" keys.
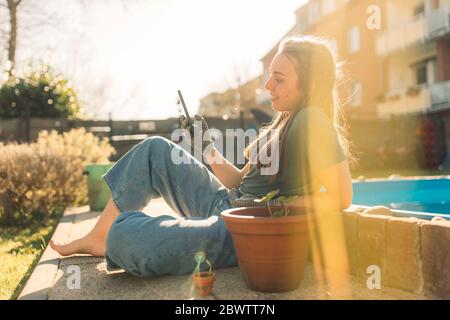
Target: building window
{"x": 356, "y": 94}
{"x": 313, "y": 12}
{"x": 354, "y": 40}
{"x": 421, "y": 73}
{"x": 432, "y": 71}
{"x": 328, "y": 6}
{"x": 425, "y": 72}
{"x": 419, "y": 10}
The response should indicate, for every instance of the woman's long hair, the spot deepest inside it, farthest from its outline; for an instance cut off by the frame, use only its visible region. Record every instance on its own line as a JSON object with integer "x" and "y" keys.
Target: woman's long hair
{"x": 319, "y": 78}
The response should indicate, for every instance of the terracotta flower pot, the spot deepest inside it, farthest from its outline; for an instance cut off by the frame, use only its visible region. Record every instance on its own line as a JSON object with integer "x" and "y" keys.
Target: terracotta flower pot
{"x": 204, "y": 282}
{"x": 271, "y": 251}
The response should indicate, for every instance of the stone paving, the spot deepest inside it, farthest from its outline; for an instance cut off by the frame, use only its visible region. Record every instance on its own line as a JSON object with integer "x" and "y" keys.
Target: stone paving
{"x": 53, "y": 277}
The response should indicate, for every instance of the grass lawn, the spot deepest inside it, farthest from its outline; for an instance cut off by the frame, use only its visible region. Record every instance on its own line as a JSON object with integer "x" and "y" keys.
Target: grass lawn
{"x": 20, "y": 250}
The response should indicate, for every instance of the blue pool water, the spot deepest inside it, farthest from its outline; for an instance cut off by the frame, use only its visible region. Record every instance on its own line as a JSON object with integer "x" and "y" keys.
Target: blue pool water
{"x": 425, "y": 198}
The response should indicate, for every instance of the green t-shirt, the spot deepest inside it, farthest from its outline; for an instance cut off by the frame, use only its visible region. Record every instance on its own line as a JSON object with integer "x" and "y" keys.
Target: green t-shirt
{"x": 312, "y": 145}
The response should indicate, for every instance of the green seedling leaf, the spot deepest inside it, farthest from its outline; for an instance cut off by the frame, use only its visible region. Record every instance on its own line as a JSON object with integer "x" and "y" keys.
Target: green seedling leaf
{"x": 268, "y": 196}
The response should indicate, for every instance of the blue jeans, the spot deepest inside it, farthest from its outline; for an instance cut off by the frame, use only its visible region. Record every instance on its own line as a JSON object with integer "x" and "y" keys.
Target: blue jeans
{"x": 165, "y": 245}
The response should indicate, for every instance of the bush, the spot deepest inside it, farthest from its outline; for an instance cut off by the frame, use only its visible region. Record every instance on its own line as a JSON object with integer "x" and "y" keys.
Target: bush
{"x": 45, "y": 94}
{"x": 44, "y": 178}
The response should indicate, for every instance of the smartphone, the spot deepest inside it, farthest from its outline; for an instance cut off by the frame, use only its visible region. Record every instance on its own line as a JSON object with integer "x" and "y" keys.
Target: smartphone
{"x": 180, "y": 96}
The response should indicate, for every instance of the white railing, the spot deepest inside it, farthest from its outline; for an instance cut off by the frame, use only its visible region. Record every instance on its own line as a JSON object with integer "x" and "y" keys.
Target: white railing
{"x": 440, "y": 95}
{"x": 392, "y": 40}
{"x": 434, "y": 24}
{"x": 412, "y": 100}
{"x": 438, "y": 23}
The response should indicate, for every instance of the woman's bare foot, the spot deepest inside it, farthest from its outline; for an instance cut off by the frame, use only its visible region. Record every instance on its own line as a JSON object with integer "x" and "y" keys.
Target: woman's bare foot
{"x": 95, "y": 241}
{"x": 86, "y": 245}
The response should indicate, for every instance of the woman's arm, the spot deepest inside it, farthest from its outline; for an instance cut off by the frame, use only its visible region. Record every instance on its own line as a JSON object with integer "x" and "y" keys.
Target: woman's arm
{"x": 338, "y": 192}
{"x": 229, "y": 175}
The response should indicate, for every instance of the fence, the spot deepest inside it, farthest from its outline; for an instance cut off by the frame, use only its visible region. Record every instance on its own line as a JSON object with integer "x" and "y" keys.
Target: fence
{"x": 391, "y": 143}
{"x": 123, "y": 135}
{"x": 387, "y": 144}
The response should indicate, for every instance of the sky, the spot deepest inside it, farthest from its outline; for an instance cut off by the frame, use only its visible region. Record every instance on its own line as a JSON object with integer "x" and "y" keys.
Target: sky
{"x": 130, "y": 59}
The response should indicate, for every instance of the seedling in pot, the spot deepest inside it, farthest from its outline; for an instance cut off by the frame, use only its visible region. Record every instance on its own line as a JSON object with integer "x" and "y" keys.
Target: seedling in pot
{"x": 204, "y": 281}
{"x": 283, "y": 202}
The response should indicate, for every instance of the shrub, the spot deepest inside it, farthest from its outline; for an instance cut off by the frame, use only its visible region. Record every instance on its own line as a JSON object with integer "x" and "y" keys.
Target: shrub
{"x": 43, "y": 178}
{"x": 42, "y": 92}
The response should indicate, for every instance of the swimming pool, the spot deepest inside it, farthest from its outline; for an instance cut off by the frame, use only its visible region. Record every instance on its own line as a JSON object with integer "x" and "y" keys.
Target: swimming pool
{"x": 424, "y": 198}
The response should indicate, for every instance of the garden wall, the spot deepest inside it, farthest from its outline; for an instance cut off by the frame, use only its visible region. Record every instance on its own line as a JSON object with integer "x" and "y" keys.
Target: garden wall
{"x": 413, "y": 254}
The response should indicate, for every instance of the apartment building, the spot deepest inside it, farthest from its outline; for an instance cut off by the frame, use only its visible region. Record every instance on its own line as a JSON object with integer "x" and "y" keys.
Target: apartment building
{"x": 229, "y": 103}
{"x": 401, "y": 67}
{"x": 218, "y": 104}
{"x": 398, "y": 69}
{"x": 415, "y": 54}
{"x": 344, "y": 24}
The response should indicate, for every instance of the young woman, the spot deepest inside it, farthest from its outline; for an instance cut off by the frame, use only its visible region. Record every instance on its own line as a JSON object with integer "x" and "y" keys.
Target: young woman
{"x": 313, "y": 165}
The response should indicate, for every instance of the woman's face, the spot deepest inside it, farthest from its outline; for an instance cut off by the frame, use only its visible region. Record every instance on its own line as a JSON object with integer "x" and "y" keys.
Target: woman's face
{"x": 283, "y": 84}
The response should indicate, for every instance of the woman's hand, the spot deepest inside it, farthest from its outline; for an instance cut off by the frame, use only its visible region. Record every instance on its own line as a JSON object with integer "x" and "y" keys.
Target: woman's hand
{"x": 198, "y": 126}
{"x": 227, "y": 173}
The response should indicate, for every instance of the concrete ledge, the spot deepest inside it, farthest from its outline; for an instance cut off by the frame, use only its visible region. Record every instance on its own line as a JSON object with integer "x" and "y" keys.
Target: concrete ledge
{"x": 371, "y": 243}
{"x": 394, "y": 243}
{"x": 229, "y": 285}
{"x": 435, "y": 254}
{"x": 403, "y": 254}
{"x": 413, "y": 254}
{"x": 41, "y": 280}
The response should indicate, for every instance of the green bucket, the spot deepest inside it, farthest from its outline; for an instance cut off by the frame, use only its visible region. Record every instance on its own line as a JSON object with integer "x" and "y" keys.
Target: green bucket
{"x": 98, "y": 191}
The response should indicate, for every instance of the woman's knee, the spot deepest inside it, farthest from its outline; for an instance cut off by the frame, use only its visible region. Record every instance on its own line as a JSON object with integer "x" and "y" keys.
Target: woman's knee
{"x": 158, "y": 148}
{"x": 157, "y": 143}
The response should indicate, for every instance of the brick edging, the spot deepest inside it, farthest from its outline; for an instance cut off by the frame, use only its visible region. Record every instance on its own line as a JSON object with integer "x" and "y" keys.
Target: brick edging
{"x": 413, "y": 254}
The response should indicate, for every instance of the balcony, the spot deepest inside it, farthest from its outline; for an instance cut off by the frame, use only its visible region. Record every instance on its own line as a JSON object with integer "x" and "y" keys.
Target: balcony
{"x": 440, "y": 96}
{"x": 438, "y": 23}
{"x": 400, "y": 38}
{"x": 417, "y": 99}
{"x": 405, "y": 101}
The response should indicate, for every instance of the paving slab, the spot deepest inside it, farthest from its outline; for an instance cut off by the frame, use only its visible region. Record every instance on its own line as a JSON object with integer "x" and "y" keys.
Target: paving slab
{"x": 41, "y": 280}
{"x": 96, "y": 283}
